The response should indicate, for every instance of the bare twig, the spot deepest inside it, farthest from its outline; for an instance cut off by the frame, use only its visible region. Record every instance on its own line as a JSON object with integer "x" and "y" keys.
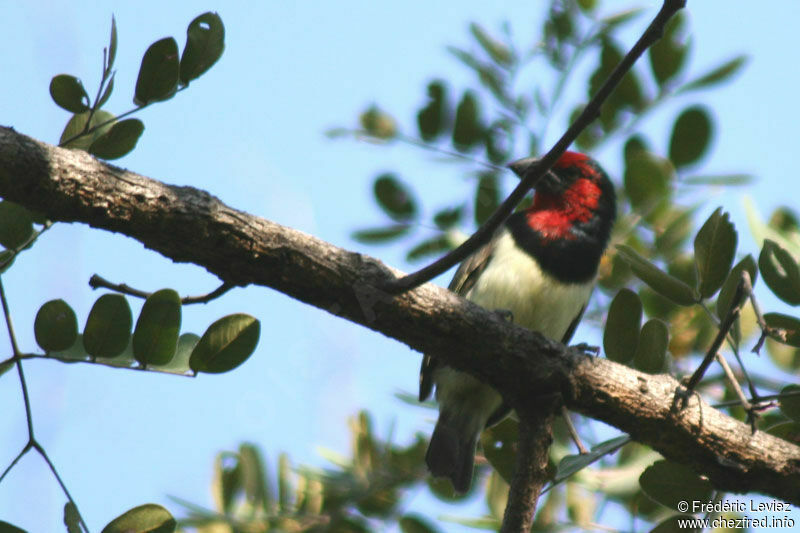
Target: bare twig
{"x": 589, "y": 114}
{"x": 97, "y": 282}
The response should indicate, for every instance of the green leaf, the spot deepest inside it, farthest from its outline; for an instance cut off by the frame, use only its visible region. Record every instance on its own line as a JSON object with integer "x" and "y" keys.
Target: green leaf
{"x": 378, "y": 124}
{"x": 724, "y": 180}
{"x": 467, "y": 130}
{"x": 675, "y": 524}
{"x": 112, "y": 47}
{"x": 68, "y": 93}
{"x": 780, "y": 272}
{"x": 670, "y": 241}
{"x": 714, "y": 250}
{"x": 658, "y": 280}
{"x": 499, "y": 446}
{"x": 158, "y": 74}
{"x": 414, "y": 523}
{"x": 5, "y": 527}
{"x": 205, "y": 41}
{"x": 646, "y": 178}
{"x": 670, "y": 483}
{"x": 651, "y": 351}
{"x": 621, "y": 335}
{"x": 155, "y": 338}
{"x": 433, "y": 119}
{"x": 571, "y": 464}
{"x": 108, "y": 328}
{"x": 380, "y": 235}
{"x": 621, "y": 17}
{"x": 499, "y": 52}
{"x": 119, "y": 140}
{"x": 394, "y": 197}
{"x": 668, "y": 54}
{"x": 76, "y": 125}
{"x": 790, "y": 405}
{"x": 107, "y": 92}
{"x": 71, "y": 518}
{"x": 445, "y": 219}
{"x": 487, "y": 197}
{"x": 789, "y": 325}
{"x": 787, "y": 431}
{"x": 226, "y": 344}
{"x": 432, "y": 246}
{"x": 147, "y": 518}
{"x": 691, "y": 136}
{"x": 180, "y": 363}
{"x": 56, "y": 326}
{"x": 725, "y": 297}
{"x": 716, "y": 75}
{"x": 16, "y": 224}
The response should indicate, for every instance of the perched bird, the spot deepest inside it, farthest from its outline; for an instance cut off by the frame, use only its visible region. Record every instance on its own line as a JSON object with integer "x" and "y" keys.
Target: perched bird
{"x": 541, "y": 266}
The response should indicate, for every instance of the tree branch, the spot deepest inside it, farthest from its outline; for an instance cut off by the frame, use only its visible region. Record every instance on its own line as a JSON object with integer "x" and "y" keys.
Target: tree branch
{"x": 189, "y": 225}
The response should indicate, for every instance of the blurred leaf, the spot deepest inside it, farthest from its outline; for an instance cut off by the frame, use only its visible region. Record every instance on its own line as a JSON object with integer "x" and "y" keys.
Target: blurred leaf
{"x": 108, "y": 327}
{"x": 651, "y": 351}
{"x": 671, "y": 240}
{"x": 646, "y": 178}
{"x": 73, "y": 353}
{"x": 155, "y": 338}
{"x": 668, "y": 54}
{"x": 106, "y": 92}
{"x": 714, "y": 250}
{"x": 728, "y": 290}
{"x": 158, "y": 74}
{"x": 628, "y": 94}
{"x": 432, "y": 246}
{"x": 449, "y": 217}
{"x": 487, "y": 197}
{"x": 499, "y": 52}
{"x": 784, "y": 220}
{"x": 380, "y": 235}
{"x": 119, "y": 140}
{"x": 570, "y": 464}
{"x": 669, "y": 483}
{"x": 205, "y": 41}
{"x": 179, "y": 364}
{"x": 728, "y": 180}
{"x": 147, "y": 518}
{"x": 77, "y": 124}
{"x": 657, "y": 279}
{"x": 394, "y": 197}
{"x": 226, "y": 483}
{"x": 789, "y": 324}
{"x": 621, "y": 334}
{"x": 284, "y": 482}
{"x": 71, "y": 518}
{"x": 675, "y": 524}
{"x": 68, "y": 92}
{"x": 691, "y": 136}
{"x": 780, "y": 272}
{"x": 5, "y": 527}
{"x": 252, "y": 476}
{"x": 467, "y": 129}
{"x": 112, "y": 51}
{"x": 790, "y": 405}
{"x": 55, "y": 327}
{"x": 378, "y": 124}
{"x": 433, "y": 119}
{"x": 499, "y": 444}
{"x": 496, "y": 494}
{"x": 716, "y": 75}
{"x": 787, "y": 431}
{"x": 621, "y": 17}
{"x": 226, "y": 344}
{"x": 16, "y": 224}
{"x": 414, "y": 523}
{"x": 587, "y": 5}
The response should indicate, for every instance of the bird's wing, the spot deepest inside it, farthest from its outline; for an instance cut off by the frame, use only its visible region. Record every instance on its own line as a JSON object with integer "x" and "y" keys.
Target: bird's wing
{"x": 463, "y": 280}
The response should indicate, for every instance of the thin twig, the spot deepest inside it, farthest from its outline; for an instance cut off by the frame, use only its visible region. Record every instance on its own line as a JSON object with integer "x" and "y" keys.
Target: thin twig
{"x": 97, "y": 282}
{"x": 95, "y": 361}
{"x": 751, "y": 415}
{"x": 587, "y": 116}
{"x": 50, "y": 464}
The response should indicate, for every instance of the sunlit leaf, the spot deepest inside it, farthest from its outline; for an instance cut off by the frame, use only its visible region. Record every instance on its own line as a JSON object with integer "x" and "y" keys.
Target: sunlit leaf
{"x": 378, "y": 124}
{"x": 147, "y": 518}
{"x": 112, "y": 48}
{"x": 661, "y": 282}
{"x": 76, "y": 125}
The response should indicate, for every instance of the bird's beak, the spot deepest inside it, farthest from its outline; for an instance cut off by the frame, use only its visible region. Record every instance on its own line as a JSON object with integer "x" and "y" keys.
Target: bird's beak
{"x": 521, "y": 167}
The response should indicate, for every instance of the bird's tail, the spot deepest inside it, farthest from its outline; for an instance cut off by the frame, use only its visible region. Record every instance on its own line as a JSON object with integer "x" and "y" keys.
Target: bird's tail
{"x": 451, "y": 452}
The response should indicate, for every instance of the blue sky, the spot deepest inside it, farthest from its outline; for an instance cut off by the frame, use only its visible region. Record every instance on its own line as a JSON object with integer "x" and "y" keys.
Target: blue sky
{"x": 251, "y": 132}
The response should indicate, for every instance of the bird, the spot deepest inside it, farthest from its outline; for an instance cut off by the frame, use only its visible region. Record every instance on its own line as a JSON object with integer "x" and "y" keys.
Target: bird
{"x": 539, "y": 269}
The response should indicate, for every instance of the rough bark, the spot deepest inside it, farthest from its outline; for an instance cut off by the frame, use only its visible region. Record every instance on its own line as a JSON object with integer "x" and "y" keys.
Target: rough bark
{"x": 189, "y": 225}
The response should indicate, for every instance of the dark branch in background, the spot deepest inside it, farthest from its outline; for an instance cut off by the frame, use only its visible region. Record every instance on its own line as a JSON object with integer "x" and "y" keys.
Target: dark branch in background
{"x": 69, "y": 185}
{"x": 587, "y": 116}
{"x": 97, "y": 282}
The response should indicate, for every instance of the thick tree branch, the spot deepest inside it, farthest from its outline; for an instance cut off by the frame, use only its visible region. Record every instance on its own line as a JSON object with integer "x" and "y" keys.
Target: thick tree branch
{"x": 189, "y": 225}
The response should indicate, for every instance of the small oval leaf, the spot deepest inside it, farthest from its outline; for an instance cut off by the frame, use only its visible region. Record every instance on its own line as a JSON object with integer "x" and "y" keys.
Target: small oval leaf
{"x": 789, "y": 327}
{"x": 414, "y": 523}
{"x": 158, "y": 74}
{"x": 56, "y": 326}
{"x": 658, "y": 280}
{"x": 691, "y": 136}
{"x": 77, "y": 124}
{"x": 205, "y": 42}
{"x": 432, "y": 246}
{"x": 378, "y": 124}
{"x": 394, "y": 197}
{"x": 729, "y": 287}
{"x": 147, "y": 518}
{"x": 112, "y": 46}
{"x": 500, "y": 447}
{"x": 433, "y": 119}
{"x": 621, "y": 335}
{"x": 119, "y": 140}
{"x": 714, "y": 250}
{"x": 780, "y": 272}
{"x": 108, "y": 328}
{"x": 651, "y": 351}
{"x": 155, "y": 338}
{"x": 487, "y": 197}
{"x": 716, "y": 75}
{"x": 16, "y": 224}
{"x": 671, "y": 483}
{"x": 68, "y": 92}
{"x": 226, "y": 344}
{"x": 668, "y": 54}
{"x": 467, "y": 129}
{"x": 646, "y": 178}
{"x": 790, "y": 402}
